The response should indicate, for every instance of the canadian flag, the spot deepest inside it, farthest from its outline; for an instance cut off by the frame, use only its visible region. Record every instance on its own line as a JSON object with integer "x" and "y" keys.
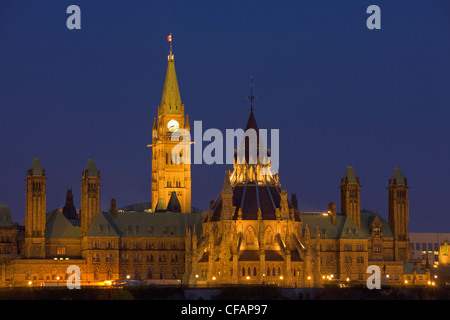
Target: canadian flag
{"x": 169, "y": 38}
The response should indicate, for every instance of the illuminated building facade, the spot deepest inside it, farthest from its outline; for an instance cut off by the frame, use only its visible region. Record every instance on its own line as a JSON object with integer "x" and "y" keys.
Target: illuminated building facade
{"x": 252, "y": 233}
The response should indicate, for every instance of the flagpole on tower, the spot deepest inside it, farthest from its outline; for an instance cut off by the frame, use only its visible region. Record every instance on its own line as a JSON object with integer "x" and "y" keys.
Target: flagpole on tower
{"x": 169, "y": 38}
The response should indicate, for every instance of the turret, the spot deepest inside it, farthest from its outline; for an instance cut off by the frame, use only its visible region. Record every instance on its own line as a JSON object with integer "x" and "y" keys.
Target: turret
{"x": 350, "y": 196}
{"x": 90, "y": 195}
{"x": 398, "y": 210}
{"x": 35, "y": 211}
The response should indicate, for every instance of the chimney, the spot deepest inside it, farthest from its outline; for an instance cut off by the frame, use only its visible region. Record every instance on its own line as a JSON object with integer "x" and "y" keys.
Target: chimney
{"x": 113, "y": 208}
{"x": 332, "y": 212}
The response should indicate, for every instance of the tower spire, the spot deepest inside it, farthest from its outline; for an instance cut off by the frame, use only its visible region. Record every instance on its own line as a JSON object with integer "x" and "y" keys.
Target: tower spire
{"x": 251, "y": 97}
{"x": 171, "y": 99}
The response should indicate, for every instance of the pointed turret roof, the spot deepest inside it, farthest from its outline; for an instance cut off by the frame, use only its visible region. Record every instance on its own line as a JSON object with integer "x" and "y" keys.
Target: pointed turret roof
{"x": 247, "y": 144}
{"x": 350, "y": 175}
{"x": 161, "y": 205}
{"x": 91, "y": 168}
{"x": 251, "y": 122}
{"x": 397, "y": 177}
{"x": 186, "y": 124}
{"x": 171, "y": 99}
{"x": 36, "y": 168}
{"x": 5, "y": 215}
{"x": 174, "y": 204}
{"x": 226, "y": 188}
{"x": 69, "y": 210}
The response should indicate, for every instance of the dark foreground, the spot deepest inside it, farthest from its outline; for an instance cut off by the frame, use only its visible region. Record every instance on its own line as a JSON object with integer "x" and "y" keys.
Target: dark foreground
{"x": 225, "y": 293}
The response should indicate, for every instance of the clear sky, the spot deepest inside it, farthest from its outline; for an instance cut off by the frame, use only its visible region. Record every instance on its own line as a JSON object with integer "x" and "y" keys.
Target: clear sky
{"x": 340, "y": 94}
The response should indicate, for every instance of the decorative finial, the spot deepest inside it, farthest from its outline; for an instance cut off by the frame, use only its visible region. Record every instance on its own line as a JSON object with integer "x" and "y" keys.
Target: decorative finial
{"x": 251, "y": 97}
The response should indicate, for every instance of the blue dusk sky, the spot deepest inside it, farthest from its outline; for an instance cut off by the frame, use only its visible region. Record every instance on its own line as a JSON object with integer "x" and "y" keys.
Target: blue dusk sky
{"x": 339, "y": 93}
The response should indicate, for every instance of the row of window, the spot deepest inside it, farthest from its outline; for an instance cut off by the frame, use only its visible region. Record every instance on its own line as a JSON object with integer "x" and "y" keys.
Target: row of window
{"x": 424, "y": 246}
{"x": 135, "y": 245}
{"x": 136, "y": 258}
{"x": 347, "y": 259}
{"x": 149, "y": 274}
{"x": 6, "y": 250}
{"x": 5, "y": 238}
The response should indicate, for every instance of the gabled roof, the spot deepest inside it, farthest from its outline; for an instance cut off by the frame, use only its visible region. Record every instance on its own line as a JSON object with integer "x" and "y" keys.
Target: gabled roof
{"x": 103, "y": 226}
{"x": 157, "y": 224}
{"x": 367, "y": 218}
{"x": 408, "y": 268}
{"x": 57, "y": 226}
{"x": 5, "y": 215}
{"x": 344, "y": 228}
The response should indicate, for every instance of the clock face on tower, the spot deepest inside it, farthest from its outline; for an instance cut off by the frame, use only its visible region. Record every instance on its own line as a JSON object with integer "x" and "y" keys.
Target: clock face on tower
{"x": 173, "y": 125}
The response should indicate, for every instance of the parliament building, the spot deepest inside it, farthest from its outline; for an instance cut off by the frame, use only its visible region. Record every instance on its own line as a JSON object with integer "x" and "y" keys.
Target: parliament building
{"x": 252, "y": 233}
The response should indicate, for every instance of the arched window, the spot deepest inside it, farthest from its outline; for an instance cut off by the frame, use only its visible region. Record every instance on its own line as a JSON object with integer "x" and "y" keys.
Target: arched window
{"x": 249, "y": 236}
{"x": 268, "y": 271}
{"x": 96, "y": 274}
{"x": 109, "y": 274}
{"x": 254, "y": 271}
{"x": 137, "y": 274}
{"x": 243, "y": 271}
{"x": 150, "y": 273}
{"x": 269, "y": 236}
